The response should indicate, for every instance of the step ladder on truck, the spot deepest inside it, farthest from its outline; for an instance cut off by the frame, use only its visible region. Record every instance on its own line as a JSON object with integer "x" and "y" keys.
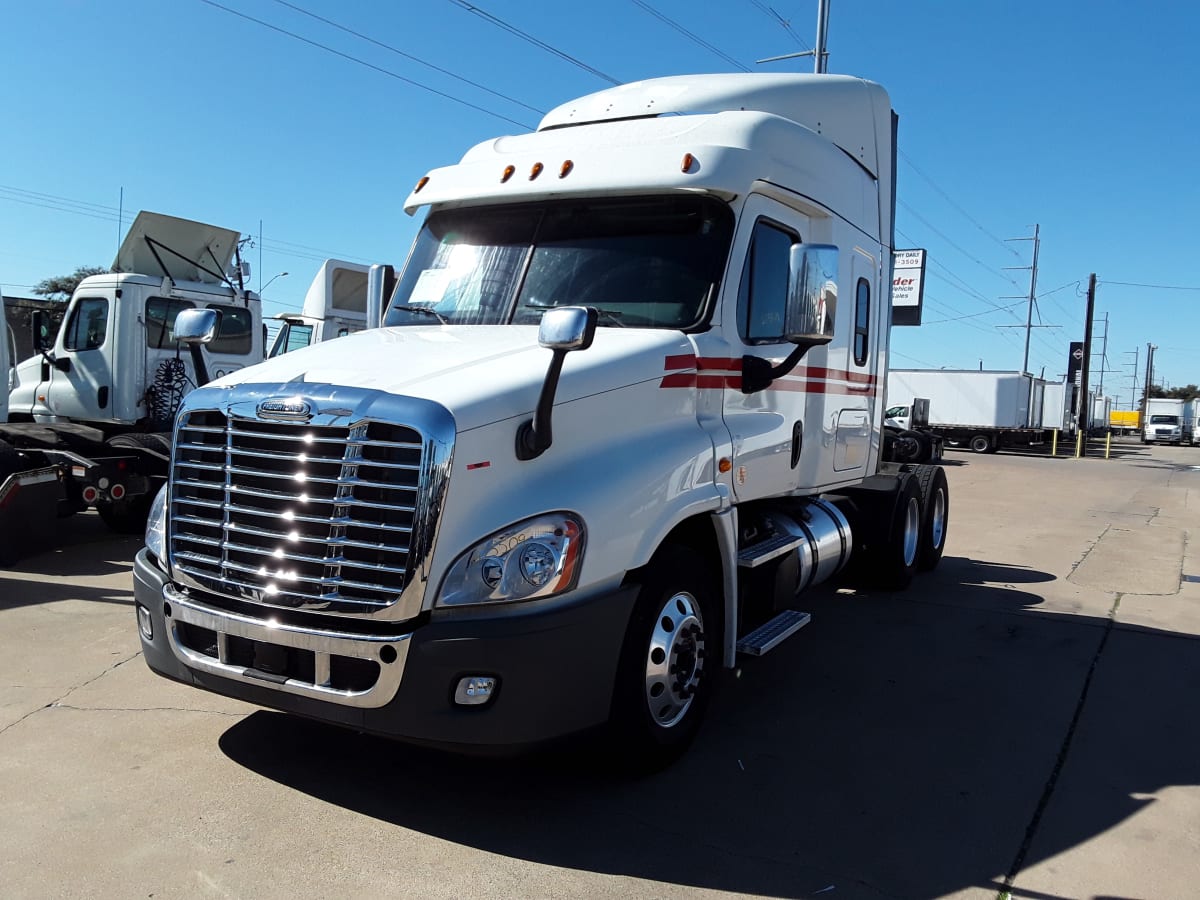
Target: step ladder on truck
{"x": 625, "y": 408}
{"x": 89, "y": 417}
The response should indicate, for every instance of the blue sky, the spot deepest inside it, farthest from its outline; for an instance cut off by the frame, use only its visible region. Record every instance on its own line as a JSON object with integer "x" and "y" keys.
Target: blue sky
{"x": 1079, "y": 116}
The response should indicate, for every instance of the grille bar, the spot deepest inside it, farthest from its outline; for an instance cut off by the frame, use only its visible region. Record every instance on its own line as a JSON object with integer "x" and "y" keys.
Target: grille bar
{"x": 295, "y": 514}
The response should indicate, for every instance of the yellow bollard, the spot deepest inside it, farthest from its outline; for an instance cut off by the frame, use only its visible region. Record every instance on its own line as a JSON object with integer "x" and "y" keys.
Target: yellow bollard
{"x": 1054, "y": 443}
{"x": 1078, "y": 443}
{"x": 1107, "y": 445}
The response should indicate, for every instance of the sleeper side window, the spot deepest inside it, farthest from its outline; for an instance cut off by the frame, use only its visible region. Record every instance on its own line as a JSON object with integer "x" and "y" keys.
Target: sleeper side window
{"x": 862, "y": 322}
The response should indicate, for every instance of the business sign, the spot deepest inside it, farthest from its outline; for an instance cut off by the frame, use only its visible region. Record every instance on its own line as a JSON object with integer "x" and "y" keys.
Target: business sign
{"x": 1075, "y": 362}
{"x": 908, "y": 286}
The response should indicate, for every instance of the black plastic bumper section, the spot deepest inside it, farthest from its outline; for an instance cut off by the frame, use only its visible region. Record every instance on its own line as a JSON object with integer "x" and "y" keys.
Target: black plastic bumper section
{"x": 555, "y": 664}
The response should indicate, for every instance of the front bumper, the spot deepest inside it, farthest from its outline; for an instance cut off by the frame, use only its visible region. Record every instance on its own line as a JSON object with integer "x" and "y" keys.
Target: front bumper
{"x": 554, "y": 662}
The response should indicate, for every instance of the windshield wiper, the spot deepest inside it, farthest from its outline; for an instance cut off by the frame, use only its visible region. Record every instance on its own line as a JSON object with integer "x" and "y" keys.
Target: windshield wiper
{"x": 425, "y": 310}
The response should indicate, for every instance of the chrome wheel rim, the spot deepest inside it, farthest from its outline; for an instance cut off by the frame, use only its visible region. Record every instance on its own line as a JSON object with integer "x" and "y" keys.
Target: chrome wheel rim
{"x": 674, "y": 660}
{"x": 912, "y": 530}
{"x": 937, "y": 519}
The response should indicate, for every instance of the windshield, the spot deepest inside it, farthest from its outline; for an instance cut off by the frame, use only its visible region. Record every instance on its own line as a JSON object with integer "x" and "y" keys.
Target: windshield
{"x": 1164, "y": 420}
{"x": 643, "y": 262}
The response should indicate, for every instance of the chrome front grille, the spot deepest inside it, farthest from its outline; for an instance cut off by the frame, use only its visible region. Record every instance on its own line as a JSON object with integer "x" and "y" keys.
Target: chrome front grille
{"x": 296, "y": 514}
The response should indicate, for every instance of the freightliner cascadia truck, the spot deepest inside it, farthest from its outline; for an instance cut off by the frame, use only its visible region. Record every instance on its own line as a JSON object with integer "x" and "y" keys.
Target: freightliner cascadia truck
{"x": 624, "y": 409}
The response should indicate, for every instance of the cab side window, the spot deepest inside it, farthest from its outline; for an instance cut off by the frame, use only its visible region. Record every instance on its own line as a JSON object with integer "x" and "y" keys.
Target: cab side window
{"x": 762, "y": 294}
{"x": 862, "y": 321}
{"x": 160, "y": 320}
{"x": 233, "y": 332}
{"x": 88, "y": 326}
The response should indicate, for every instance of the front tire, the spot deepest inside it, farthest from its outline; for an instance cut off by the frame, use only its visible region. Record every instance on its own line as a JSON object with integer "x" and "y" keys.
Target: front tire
{"x": 668, "y": 661}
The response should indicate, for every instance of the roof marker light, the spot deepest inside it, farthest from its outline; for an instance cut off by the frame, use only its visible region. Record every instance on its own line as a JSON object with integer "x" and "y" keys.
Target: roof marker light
{"x": 567, "y": 166}
{"x": 420, "y": 184}
{"x": 688, "y": 160}
{"x": 508, "y": 173}
{"x": 535, "y": 171}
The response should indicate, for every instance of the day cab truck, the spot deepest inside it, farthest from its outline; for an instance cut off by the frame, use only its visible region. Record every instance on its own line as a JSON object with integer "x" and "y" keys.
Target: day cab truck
{"x": 625, "y": 409}
{"x": 335, "y": 305}
{"x": 1169, "y": 421}
{"x": 98, "y": 401}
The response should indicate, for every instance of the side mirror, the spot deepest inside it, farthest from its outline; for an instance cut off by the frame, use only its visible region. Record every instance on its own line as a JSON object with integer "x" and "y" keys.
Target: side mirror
{"x": 39, "y": 328}
{"x": 809, "y": 316}
{"x": 196, "y": 326}
{"x": 812, "y": 294}
{"x": 562, "y": 330}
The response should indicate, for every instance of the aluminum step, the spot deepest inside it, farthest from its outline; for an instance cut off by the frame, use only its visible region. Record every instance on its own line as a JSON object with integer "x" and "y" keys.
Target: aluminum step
{"x": 765, "y": 551}
{"x": 771, "y": 634}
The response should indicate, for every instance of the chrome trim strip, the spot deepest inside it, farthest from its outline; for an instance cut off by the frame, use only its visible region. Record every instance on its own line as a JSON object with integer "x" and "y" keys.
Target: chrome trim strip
{"x": 323, "y": 645}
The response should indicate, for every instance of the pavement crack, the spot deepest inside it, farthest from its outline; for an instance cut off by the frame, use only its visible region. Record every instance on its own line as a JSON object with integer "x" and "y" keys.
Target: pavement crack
{"x": 1063, "y": 751}
{"x": 58, "y": 701}
{"x": 183, "y": 709}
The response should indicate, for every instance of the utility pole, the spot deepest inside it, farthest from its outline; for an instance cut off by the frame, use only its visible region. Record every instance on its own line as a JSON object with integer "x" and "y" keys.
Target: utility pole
{"x": 1103, "y": 358}
{"x": 1150, "y": 348}
{"x": 1029, "y": 326}
{"x": 1085, "y": 412}
{"x": 1133, "y": 376}
{"x": 820, "y": 56}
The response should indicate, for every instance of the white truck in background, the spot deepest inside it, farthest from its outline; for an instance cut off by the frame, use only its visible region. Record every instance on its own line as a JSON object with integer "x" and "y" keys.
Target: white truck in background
{"x": 625, "y": 409}
{"x": 979, "y": 410}
{"x": 335, "y": 305}
{"x": 1169, "y": 421}
{"x": 97, "y": 403}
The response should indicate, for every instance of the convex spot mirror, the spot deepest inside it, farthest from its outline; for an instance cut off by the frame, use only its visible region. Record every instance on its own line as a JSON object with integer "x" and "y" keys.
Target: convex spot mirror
{"x": 812, "y": 294}
{"x": 196, "y": 326}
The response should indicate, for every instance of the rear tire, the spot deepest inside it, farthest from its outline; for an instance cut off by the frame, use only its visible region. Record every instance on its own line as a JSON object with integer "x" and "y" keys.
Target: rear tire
{"x": 895, "y": 561}
{"x": 669, "y": 659}
{"x": 935, "y": 516}
{"x": 981, "y": 443}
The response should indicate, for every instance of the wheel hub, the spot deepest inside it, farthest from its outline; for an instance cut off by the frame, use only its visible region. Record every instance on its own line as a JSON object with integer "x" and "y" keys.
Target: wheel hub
{"x": 674, "y": 659}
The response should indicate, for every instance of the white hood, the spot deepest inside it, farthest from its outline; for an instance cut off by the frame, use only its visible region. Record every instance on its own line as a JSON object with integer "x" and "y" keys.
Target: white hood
{"x": 480, "y": 373}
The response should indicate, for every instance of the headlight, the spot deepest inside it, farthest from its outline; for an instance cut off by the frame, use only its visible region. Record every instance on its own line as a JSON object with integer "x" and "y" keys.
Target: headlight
{"x": 539, "y": 557}
{"x": 156, "y": 527}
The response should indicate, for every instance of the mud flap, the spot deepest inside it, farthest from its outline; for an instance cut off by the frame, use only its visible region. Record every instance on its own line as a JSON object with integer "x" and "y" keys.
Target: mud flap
{"x": 29, "y": 512}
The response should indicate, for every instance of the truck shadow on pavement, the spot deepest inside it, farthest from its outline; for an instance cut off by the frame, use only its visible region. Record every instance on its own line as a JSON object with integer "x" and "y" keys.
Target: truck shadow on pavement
{"x": 892, "y": 749}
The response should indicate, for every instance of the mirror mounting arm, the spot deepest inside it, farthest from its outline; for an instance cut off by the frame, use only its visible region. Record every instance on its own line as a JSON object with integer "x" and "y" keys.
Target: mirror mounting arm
{"x": 758, "y": 373}
{"x": 535, "y": 436}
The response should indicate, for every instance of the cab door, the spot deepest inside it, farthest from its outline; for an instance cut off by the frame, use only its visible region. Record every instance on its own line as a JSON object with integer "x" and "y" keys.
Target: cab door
{"x": 80, "y": 385}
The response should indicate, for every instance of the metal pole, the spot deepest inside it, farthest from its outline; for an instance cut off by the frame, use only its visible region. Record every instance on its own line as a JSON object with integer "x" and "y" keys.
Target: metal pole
{"x": 1103, "y": 357}
{"x": 1146, "y": 383}
{"x": 1032, "y": 295}
{"x": 1085, "y": 412}
{"x": 819, "y": 65}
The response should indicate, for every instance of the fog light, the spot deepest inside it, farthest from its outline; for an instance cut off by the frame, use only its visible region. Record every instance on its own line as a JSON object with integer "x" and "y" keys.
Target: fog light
{"x": 474, "y": 690}
{"x": 145, "y": 623}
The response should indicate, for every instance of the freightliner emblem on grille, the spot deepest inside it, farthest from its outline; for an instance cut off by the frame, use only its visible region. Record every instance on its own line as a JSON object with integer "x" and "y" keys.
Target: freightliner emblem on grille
{"x": 291, "y": 409}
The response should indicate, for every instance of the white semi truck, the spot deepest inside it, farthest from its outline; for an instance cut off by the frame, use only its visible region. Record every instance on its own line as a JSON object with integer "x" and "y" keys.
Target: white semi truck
{"x": 335, "y": 305}
{"x": 98, "y": 402}
{"x": 625, "y": 409}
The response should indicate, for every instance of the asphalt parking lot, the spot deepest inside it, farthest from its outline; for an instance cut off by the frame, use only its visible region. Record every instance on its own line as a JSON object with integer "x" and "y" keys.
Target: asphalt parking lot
{"x": 1022, "y": 720}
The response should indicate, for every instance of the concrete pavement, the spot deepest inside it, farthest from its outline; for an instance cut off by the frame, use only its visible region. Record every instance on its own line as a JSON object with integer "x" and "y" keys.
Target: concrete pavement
{"x": 1021, "y": 720}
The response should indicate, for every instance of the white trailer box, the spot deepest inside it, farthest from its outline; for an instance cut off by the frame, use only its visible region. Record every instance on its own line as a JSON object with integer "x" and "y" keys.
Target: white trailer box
{"x": 969, "y": 397}
{"x": 1056, "y": 406}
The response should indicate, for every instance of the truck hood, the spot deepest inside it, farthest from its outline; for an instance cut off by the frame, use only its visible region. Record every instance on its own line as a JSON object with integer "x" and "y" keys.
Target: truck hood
{"x": 480, "y": 373}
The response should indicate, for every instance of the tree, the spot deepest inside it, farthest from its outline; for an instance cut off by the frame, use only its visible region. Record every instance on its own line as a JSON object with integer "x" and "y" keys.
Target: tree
{"x": 61, "y": 287}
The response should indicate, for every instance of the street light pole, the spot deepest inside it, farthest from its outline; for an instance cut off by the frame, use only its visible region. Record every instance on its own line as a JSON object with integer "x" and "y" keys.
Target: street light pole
{"x": 268, "y": 284}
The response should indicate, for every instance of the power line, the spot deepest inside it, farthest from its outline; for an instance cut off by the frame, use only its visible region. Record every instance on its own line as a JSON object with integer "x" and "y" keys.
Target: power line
{"x": 409, "y": 56}
{"x": 783, "y": 23}
{"x": 513, "y": 30}
{"x": 362, "y": 62}
{"x": 1156, "y": 287}
{"x": 692, "y": 36}
{"x": 908, "y": 159}
{"x": 912, "y": 212}
{"x": 986, "y": 312}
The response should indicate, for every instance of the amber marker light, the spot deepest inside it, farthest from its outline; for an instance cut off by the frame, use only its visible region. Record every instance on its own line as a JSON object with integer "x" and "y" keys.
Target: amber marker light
{"x": 725, "y": 465}
{"x": 535, "y": 171}
{"x": 688, "y": 159}
{"x": 566, "y": 168}
{"x": 420, "y": 184}
{"x": 508, "y": 173}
